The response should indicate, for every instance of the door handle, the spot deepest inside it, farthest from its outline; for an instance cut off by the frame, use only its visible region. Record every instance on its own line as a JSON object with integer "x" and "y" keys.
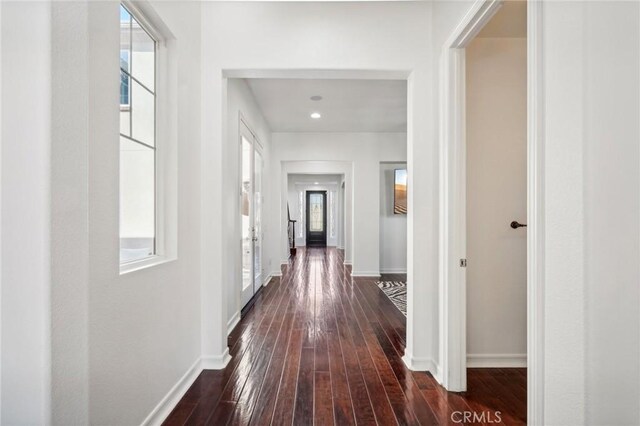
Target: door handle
{"x": 516, "y": 225}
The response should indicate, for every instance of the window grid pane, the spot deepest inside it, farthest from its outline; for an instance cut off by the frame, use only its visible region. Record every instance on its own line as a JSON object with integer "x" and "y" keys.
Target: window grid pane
{"x": 137, "y": 141}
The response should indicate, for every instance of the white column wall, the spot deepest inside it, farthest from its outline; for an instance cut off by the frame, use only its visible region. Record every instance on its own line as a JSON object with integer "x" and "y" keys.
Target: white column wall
{"x": 612, "y": 211}
{"x": 25, "y": 357}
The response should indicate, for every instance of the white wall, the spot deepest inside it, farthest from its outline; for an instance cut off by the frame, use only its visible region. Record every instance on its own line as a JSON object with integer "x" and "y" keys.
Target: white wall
{"x": 496, "y": 134}
{"x": 393, "y": 227}
{"x": 240, "y": 102}
{"x": 591, "y": 54}
{"x": 364, "y": 151}
{"x": 612, "y": 213}
{"x": 144, "y": 326}
{"x": 25, "y": 356}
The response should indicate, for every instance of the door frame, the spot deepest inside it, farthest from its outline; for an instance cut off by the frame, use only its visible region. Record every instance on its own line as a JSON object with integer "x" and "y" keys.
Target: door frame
{"x": 244, "y": 130}
{"x": 307, "y": 215}
{"x": 452, "y": 279}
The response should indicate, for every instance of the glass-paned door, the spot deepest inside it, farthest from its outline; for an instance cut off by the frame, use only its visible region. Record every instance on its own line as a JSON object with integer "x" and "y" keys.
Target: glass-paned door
{"x": 257, "y": 225}
{"x": 316, "y": 218}
{"x": 251, "y": 215}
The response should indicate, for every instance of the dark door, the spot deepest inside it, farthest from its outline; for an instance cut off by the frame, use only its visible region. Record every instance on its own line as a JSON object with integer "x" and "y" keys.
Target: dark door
{"x": 316, "y": 218}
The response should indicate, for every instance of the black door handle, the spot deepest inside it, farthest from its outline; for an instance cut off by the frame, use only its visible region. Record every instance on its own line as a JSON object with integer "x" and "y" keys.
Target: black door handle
{"x": 516, "y": 225}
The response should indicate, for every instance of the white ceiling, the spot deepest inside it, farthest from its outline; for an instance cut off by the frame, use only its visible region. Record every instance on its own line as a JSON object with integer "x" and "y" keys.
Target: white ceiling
{"x": 346, "y": 105}
{"x": 509, "y": 21}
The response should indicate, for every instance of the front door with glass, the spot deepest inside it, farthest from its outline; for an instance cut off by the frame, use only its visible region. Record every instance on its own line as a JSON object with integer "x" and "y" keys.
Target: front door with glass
{"x": 251, "y": 216}
{"x": 316, "y": 218}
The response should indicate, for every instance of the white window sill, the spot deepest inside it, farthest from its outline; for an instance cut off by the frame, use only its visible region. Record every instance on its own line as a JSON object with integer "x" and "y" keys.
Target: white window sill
{"x": 145, "y": 263}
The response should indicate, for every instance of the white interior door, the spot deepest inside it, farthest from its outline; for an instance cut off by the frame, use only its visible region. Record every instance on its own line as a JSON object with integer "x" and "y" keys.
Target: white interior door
{"x": 251, "y": 215}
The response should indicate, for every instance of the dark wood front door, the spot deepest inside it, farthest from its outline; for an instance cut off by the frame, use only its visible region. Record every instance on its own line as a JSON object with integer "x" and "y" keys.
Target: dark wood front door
{"x": 316, "y": 218}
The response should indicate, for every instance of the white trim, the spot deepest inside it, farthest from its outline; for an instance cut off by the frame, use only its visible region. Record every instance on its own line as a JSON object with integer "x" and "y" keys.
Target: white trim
{"x": 217, "y": 362}
{"x": 166, "y": 138}
{"x": 145, "y": 263}
{"x": 233, "y": 321}
{"x": 535, "y": 216}
{"x": 149, "y": 19}
{"x": 496, "y": 360}
{"x": 393, "y": 271}
{"x": 347, "y": 263}
{"x": 245, "y": 132}
{"x": 161, "y": 411}
{"x": 422, "y": 364}
{"x": 476, "y": 18}
{"x": 276, "y": 274}
{"x": 452, "y": 312}
{"x": 267, "y": 280}
{"x": 317, "y": 74}
{"x": 365, "y": 274}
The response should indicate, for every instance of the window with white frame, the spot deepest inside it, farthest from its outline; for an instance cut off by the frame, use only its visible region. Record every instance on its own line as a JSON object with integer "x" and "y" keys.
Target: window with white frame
{"x": 301, "y": 214}
{"x": 138, "y": 198}
{"x": 332, "y": 214}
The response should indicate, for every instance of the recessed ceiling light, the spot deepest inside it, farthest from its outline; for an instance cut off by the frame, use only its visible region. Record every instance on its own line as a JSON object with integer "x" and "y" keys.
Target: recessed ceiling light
{"x": 316, "y": 98}
{"x": 315, "y": 183}
{"x": 316, "y": 115}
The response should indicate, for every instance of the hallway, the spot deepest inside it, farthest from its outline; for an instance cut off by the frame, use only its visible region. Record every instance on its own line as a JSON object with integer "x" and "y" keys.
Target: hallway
{"x": 317, "y": 349}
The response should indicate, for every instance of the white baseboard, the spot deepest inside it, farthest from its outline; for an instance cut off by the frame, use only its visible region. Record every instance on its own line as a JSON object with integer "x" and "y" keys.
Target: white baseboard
{"x": 393, "y": 271}
{"x": 233, "y": 321}
{"x": 217, "y": 362}
{"x": 161, "y": 411}
{"x": 267, "y": 281}
{"x": 496, "y": 360}
{"x": 422, "y": 364}
{"x": 276, "y": 274}
{"x": 365, "y": 274}
{"x": 347, "y": 262}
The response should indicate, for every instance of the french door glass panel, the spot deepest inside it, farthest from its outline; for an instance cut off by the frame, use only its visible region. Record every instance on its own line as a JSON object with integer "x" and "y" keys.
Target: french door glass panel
{"x": 251, "y": 216}
{"x": 246, "y": 213}
{"x": 257, "y": 226}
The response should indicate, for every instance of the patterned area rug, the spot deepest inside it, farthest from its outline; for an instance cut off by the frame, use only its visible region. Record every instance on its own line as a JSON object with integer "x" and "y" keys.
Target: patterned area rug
{"x": 396, "y": 291}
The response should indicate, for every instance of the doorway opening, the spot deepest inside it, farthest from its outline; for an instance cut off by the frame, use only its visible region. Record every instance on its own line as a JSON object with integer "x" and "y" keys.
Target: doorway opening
{"x": 316, "y": 218}
{"x": 496, "y": 208}
{"x": 490, "y": 172}
{"x": 315, "y": 201}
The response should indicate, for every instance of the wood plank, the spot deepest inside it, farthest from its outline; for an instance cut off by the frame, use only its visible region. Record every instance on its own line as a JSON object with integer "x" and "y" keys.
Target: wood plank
{"x": 323, "y": 402}
{"x": 321, "y": 347}
{"x": 303, "y": 412}
{"x": 286, "y": 395}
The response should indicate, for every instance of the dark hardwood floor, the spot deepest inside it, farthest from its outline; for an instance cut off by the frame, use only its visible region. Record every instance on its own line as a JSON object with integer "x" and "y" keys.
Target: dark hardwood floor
{"x": 319, "y": 347}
